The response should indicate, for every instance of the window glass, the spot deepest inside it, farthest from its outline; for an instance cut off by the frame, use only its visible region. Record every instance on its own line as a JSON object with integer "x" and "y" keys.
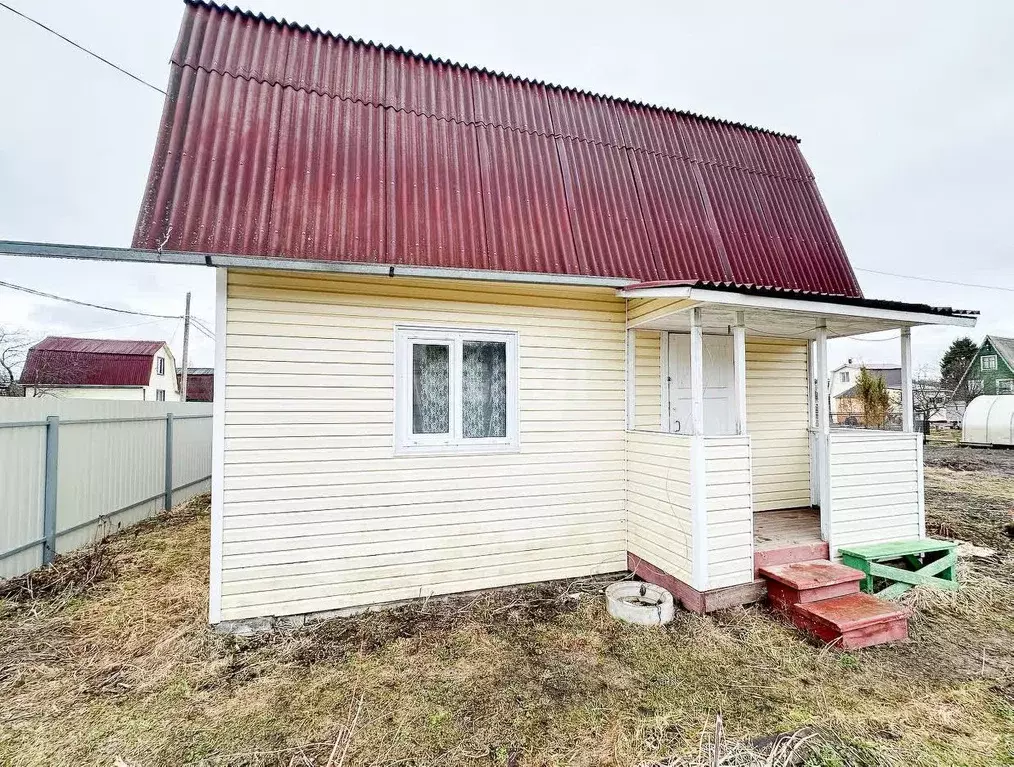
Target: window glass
{"x": 1005, "y": 386}
{"x": 989, "y": 363}
{"x": 161, "y": 366}
{"x": 160, "y": 395}
{"x": 431, "y": 389}
{"x": 483, "y": 389}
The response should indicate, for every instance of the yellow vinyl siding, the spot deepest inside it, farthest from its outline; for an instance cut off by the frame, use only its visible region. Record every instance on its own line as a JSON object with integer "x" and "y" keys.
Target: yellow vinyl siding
{"x": 319, "y": 514}
{"x": 647, "y": 380}
{"x": 729, "y": 510}
{"x": 658, "y": 501}
{"x": 777, "y": 421}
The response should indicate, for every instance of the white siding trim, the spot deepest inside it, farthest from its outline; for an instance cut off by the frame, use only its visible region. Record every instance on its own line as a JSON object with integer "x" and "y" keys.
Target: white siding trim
{"x": 630, "y": 381}
{"x": 699, "y": 512}
{"x": 218, "y": 450}
{"x": 922, "y": 488}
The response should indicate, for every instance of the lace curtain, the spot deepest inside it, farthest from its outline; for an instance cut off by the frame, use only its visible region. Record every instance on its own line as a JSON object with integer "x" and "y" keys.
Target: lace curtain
{"x": 430, "y": 389}
{"x": 484, "y": 389}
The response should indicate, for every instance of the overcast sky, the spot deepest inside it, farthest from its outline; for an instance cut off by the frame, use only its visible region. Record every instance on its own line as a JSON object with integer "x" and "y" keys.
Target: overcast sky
{"x": 905, "y": 110}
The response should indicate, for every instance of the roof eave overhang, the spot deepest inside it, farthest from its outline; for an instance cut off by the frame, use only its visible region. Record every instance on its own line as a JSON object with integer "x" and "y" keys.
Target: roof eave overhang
{"x": 224, "y": 260}
{"x": 812, "y": 306}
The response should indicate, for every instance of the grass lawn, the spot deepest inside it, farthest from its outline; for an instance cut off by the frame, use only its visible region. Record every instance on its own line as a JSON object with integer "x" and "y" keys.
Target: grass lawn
{"x": 106, "y": 659}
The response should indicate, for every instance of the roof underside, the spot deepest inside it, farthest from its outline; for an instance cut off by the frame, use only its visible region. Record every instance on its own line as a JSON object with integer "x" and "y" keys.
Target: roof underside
{"x": 287, "y": 142}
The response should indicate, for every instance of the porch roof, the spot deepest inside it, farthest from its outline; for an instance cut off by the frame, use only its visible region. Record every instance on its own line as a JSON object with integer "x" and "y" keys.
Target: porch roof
{"x": 775, "y": 311}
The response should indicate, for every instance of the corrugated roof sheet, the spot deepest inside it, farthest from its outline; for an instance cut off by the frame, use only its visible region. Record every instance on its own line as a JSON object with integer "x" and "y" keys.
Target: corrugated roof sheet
{"x": 279, "y": 140}
{"x": 61, "y": 361}
{"x": 802, "y": 295}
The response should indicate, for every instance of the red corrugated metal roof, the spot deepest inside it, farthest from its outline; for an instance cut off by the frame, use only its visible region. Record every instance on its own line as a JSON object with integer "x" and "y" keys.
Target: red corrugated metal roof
{"x": 61, "y": 361}
{"x": 279, "y": 140}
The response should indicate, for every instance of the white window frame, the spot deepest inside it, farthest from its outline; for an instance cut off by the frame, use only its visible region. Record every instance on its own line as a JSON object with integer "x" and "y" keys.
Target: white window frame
{"x": 160, "y": 395}
{"x": 992, "y": 362}
{"x": 1010, "y": 385}
{"x": 160, "y": 366}
{"x": 843, "y": 376}
{"x": 407, "y": 443}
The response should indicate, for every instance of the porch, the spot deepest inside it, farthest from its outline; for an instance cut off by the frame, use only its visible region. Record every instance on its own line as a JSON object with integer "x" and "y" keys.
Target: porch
{"x": 732, "y": 463}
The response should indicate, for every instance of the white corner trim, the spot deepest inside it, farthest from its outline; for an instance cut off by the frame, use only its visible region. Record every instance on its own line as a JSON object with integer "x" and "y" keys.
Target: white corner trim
{"x": 920, "y": 486}
{"x": 698, "y": 514}
{"x": 218, "y": 451}
{"x": 630, "y": 382}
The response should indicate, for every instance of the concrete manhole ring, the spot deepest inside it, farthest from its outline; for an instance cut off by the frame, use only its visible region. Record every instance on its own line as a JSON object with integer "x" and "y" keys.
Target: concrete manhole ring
{"x": 640, "y": 603}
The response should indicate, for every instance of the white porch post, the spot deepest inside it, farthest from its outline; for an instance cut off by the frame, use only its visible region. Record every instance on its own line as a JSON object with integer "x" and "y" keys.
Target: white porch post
{"x": 696, "y": 373}
{"x": 739, "y": 370}
{"x": 907, "y": 412}
{"x": 824, "y": 431}
{"x": 698, "y": 474}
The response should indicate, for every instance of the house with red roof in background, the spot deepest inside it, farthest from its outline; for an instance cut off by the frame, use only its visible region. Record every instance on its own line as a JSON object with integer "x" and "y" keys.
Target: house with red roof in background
{"x": 97, "y": 368}
{"x": 476, "y": 330}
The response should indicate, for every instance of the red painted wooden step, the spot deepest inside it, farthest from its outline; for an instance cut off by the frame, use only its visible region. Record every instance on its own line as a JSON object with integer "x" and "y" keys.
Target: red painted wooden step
{"x": 787, "y": 555}
{"x": 852, "y": 621}
{"x": 805, "y": 582}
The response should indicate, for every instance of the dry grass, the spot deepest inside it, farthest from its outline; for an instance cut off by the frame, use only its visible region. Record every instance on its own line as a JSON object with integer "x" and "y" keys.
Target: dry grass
{"x": 107, "y": 660}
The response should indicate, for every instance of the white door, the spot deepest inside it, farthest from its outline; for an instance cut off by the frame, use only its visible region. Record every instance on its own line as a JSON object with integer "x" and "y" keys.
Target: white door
{"x": 719, "y": 394}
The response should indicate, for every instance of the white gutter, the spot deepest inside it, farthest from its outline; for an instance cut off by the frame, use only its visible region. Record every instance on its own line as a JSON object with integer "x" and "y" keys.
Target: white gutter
{"x": 137, "y": 255}
{"x": 819, "y": 308}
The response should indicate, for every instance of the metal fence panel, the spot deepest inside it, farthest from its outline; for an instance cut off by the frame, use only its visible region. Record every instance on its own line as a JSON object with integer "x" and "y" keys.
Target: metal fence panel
{"x": 22, "y": 465}
{"x": 110, "y": 469}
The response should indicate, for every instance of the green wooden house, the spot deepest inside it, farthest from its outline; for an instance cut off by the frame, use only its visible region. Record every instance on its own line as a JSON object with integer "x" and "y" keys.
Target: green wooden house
{"x": 991, "y": 370}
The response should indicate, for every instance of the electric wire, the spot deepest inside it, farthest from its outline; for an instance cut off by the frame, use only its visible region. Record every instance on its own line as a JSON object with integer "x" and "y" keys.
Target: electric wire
{"x": 80, "y": 47}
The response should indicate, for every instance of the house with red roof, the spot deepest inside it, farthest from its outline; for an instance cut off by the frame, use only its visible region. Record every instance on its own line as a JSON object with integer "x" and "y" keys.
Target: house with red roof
{"x": 100, "y": 368}
{"x": 476, "y": 330}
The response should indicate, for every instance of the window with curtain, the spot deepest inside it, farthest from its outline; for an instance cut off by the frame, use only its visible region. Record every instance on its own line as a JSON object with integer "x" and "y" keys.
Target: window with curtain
{"x": 456, "y": 390}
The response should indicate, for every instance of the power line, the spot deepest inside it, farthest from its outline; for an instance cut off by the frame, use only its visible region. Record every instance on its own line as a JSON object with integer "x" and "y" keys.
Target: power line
{"x": 82, "y": 48}
{"x": 32, "y": 291}
{"x": 931, "y": 279}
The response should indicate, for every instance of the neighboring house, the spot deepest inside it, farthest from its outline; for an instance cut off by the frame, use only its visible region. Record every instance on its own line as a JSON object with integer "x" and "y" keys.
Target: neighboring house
{"x": 200, "y": 384}
{"x": 846, "y": 407}
{"x": 95, "y": 368}
{"x": 843, "y": 378}
{"x": 991, "y": 370}
{"x": 476, "y": 331}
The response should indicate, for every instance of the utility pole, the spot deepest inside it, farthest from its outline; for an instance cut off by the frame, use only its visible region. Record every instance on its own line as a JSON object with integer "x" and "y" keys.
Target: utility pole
{"x": 186, "y": 346}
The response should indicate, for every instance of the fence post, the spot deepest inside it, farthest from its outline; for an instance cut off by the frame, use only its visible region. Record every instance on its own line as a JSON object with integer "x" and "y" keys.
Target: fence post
{"x": 168, "y": 461}
{"x": 49, "y": 488}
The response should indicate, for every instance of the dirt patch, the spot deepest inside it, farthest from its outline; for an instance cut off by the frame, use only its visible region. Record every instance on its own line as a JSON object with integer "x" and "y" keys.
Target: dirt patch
{"x": 525, "y": 676}
{"x": 989, "y": 460}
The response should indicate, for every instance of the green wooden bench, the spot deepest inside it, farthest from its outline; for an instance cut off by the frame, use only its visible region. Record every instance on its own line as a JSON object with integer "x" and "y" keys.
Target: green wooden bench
{"x": 927, "y": 562}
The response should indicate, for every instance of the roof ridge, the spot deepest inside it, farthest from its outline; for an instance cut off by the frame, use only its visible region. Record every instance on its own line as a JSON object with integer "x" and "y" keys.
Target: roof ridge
{"x": 236, "y": 11}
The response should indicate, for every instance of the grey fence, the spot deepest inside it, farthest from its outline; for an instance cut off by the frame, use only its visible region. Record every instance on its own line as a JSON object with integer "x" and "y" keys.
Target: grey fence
{"x": 73, "y": 470}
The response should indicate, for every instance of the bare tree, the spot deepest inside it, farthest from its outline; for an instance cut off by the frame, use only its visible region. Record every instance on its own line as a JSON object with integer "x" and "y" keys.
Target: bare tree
{"x": 13, "y": 348}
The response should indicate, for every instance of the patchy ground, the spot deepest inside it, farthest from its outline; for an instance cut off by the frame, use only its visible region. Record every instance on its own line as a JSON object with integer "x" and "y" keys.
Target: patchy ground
{"x": 106, "y": 660}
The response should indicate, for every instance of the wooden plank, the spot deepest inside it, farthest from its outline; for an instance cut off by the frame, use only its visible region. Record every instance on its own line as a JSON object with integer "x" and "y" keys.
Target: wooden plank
{"x": 896, "y": 549}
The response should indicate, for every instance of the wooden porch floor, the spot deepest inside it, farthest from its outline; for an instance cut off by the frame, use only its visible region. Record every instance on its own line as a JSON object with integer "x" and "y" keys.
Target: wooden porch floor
{"x": 786, "y": 527}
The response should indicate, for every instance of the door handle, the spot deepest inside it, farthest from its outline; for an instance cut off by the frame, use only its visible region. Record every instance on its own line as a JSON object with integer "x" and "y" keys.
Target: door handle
{"x": 678, "y": 426}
